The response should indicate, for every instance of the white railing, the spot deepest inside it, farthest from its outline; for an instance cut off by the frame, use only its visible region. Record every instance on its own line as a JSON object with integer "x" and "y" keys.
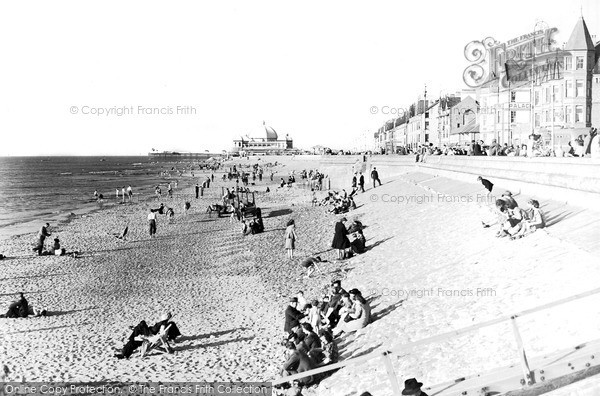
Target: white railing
{"x": 528, "y": 377}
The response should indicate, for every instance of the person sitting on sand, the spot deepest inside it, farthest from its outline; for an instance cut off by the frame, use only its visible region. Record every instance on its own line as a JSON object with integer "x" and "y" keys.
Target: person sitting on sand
{"x": 297, "y": 362}
{"x": 513, "y": 223}
{"x": 511, "y": 203}
{"x": 358, "y": 244}
{"x": 56, "y": 249}
{"x": 333, "y": 304}
{"x": 328, "y": 353}
{"x": 357, "y": 317}
{"x": 142, "y": 329}
{"x": 22, "y": 309}
{"x": 311, "y": 339}
{"x": 292, "y": 316}
{"x": 535, "y": 221}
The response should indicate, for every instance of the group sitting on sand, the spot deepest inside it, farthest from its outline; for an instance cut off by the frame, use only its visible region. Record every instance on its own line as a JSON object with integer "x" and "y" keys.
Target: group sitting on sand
{"x": 515, "y": 222}
{"x": 340, "y": 202}
{"x": 22, "y": 309}
{"x": 311, "y": 328}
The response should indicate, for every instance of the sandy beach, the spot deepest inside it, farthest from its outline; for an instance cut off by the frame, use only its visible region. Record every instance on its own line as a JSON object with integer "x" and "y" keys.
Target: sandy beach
{"x": 228, "y": 292}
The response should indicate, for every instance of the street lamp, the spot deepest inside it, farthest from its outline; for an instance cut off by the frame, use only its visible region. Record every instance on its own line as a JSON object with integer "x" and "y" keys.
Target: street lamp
{"x": 544, "y": 26}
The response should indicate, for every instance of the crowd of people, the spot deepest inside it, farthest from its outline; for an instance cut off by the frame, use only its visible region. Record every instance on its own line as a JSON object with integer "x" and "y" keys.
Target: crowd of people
{"x": 582, "y": 146}
{"x": 310, "y": 328}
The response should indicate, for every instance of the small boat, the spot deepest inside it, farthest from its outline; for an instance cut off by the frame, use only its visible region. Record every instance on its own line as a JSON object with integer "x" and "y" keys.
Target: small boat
{"x": 102, "y": 159}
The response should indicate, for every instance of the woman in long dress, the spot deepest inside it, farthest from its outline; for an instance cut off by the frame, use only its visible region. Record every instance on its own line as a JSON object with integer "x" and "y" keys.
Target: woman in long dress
{"x": 290, "y": 238}
{"x": 340, "y": 238}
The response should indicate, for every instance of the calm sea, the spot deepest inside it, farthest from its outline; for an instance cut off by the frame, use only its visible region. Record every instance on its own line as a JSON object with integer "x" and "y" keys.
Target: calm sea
{"x": 34, "y": 190}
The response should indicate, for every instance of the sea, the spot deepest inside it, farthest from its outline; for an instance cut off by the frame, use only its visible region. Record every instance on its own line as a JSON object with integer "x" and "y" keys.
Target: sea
{"x": 36, "y": 190}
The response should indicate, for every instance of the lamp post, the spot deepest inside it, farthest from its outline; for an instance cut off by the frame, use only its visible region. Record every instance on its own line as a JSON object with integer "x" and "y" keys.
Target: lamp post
{"x": 544, "y": 26}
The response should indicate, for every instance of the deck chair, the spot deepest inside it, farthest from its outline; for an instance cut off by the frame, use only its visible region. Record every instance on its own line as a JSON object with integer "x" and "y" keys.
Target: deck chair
{"x": 155, "y": 342}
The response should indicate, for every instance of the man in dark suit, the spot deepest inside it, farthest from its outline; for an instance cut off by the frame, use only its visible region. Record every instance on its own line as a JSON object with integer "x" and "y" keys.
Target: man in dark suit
{"x": 297, "y": 362}
{"x": 292, "y": 316}
{"x": 361, "y": 182}
{"x": 375, "y": 177}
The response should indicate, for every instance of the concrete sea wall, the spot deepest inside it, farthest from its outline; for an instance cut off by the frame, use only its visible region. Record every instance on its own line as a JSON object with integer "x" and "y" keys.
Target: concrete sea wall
{"x": 572, "y": 180}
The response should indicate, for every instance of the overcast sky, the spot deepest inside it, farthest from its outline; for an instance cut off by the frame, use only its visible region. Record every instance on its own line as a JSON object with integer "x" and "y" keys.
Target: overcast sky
{"x": 312, "y": 69}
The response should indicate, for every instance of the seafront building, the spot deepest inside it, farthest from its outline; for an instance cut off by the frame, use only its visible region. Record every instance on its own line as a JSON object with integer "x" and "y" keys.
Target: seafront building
{"x": 264, "y": 140}
{"x": 532, "y": 88}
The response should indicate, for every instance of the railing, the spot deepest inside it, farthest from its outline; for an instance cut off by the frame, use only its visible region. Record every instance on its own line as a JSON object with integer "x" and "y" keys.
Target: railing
{"x": 528, "y": 378}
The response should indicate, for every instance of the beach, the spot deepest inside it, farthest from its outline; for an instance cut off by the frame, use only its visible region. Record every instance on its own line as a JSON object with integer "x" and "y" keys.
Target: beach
{"x": 225, "y": 292}
{"x": 430, "y": 268}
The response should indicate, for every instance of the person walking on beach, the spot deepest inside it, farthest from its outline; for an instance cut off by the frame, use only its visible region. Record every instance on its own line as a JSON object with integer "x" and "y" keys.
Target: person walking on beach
{"x": 170, "y": 190}
{"x": 340, "y": 239}
{"x": 117, "y": 194}
{"x": 290, "y": 238}
{"x": 197, "y": 189}
{"x": 361, "y": 182}
{"x": 152, "y": 223}
{"x": 123, "y": 193}
{"x": 96, "y": 195}
{"x": 129, "y": 193}
{"x": 354, "y": 181}
{"x": 375, "y": 176}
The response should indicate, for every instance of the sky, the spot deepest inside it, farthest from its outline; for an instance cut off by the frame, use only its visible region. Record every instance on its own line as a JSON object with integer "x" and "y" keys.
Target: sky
{"x": 122, "y": 78}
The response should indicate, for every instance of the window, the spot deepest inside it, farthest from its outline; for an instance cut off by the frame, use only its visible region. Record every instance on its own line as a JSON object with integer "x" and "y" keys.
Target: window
{"x": 537, "y": 119}
{"x": 556, "y": 116}
{"x": 513, "y": 96}
{"x": 546, "y": 116}
{"x": 547, "y": 93}
{"x": 537, "y": 97}
{"x": 555, "y": 93}
{"x": 579, "y": 88}
{"x": 513, "y": 116}
{"x": 568, "y": 63}
{"x": 578, "y": 113}
{"x": 568, "y": 114}
{"x": 579, "y": 64}
{"x": 498, "y": 113}
{"x": 569, "y": 89}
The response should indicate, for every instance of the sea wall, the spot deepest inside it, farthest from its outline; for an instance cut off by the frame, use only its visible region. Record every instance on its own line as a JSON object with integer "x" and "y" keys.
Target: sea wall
{"x": 572, "y": 180}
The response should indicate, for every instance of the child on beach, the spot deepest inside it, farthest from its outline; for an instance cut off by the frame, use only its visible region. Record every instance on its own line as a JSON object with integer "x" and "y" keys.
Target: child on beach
{"x": 314, "y": 197}
{"x": 290, "y": 238}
